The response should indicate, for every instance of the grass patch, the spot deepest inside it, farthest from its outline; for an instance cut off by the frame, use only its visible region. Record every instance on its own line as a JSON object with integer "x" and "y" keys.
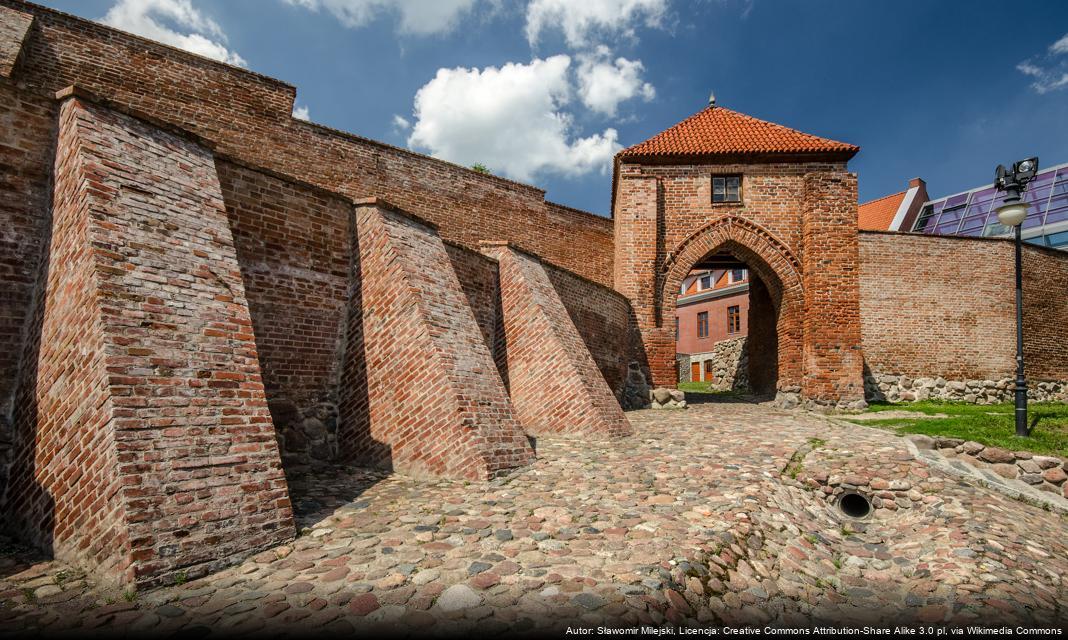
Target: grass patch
{"x": 990, "y": 424}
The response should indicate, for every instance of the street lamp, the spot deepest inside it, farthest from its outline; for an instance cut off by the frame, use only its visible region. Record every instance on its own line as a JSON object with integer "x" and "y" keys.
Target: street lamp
{"x": 1012, "y": 214}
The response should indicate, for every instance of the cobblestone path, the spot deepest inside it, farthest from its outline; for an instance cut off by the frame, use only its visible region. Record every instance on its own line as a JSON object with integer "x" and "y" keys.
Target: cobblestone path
{"x": 710, "y": 515}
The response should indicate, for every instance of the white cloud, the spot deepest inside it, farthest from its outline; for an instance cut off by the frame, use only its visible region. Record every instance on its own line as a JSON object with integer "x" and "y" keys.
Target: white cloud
{"x": 604, "y": 83}
{"x": 1060, "y": 46}
{"x": 174, "y": 22}
{"x": 301, "y": 113}
{"x": 1050, "y": 71}
{"x": 583, "y": 20}
{"x": 418, "y": 17}
{"x": 510, "y": 119}
{"x": 400, "y": 123}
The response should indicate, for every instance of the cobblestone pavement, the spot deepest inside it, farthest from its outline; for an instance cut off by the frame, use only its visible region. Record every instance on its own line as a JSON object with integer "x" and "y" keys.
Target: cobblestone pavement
{"x": 716, "y": 514}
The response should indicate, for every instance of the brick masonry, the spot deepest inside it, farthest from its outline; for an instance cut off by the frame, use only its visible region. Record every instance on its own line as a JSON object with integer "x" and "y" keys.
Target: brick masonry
{"x": 64, "y": 492}
{"x": 201, "y": 297}
{"x": 554, "y": 382}
{"x": 293, "y": 252}
{"x": 293, "y": 248}
{"x": 794, "y": 229}
{"x": 150, "y": 457}
{"x": 27, "y": 126}
{"x": 13, "y": 28}
{"x": 433, "y": 403}
{"x": 480, "y": 281}
{"x": 603, "y": 319}
{"x": 247, "y": 117}
{"x": 936, "y": 307}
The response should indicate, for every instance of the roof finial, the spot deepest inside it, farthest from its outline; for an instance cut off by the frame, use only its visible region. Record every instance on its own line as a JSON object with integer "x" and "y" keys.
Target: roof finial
{"x": 712, "y": 99}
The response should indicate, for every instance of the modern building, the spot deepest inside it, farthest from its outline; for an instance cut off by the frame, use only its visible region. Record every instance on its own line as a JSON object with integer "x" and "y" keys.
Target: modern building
{"x": 894, "y": 211}
{"x": 974, "y": 212}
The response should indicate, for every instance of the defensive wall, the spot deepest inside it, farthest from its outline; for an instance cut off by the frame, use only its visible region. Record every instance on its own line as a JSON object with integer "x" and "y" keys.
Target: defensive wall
{"x": 202, "y": 295}
{"x": 938, "y": 317}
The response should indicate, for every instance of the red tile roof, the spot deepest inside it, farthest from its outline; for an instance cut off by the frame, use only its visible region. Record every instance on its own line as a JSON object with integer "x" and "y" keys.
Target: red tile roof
{"x": 878, "y": 214}
{"x": 720, "y": 131}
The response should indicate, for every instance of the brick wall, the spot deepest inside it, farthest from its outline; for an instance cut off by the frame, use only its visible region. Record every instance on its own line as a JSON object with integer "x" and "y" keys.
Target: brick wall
{"x": 603, "y": 319}
{"x": 832, "y": 353}
{"x": 180, "y": 437}
{"x": 555, "y": 384}
{"x": 64, "y": 491}
{"x": 13, "y": 28}
{"x": 944, "y": 306}
{"x": 790, "y": 220}
{"x": 480, "y": 281}
{"x": 27, "y": 131}
{"x": 936, "y": 306}
{"x": 1045, "y": 313}
{"x": 601, "y": 315}
{"x": 293, "y": 248}
{"x": 771, "y": 194}
{"x": 420, "y": 391}
{"x": 247, "y": 116}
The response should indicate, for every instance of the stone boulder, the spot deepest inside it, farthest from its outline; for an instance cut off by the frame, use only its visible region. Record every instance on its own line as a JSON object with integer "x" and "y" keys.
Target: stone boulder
{"x": 283, "y": 412}
{"x": 994, "y": 455}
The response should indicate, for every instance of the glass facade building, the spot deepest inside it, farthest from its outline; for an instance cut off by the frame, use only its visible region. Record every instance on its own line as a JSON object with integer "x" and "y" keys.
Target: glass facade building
{"x": 974, "y": 213}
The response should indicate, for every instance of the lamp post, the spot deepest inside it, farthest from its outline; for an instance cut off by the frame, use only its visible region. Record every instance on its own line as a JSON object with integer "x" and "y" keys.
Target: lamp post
{"x": 1012, "y": 214}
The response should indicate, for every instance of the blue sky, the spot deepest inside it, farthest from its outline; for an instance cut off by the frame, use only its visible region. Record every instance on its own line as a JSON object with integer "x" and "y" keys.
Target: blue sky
{"x": 546, "y": 91}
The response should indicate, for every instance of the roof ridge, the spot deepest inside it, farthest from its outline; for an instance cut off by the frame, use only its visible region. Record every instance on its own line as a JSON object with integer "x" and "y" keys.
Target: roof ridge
{"x": 889, "y": 195}
{"x": 783, "y": 126}
{"x": 657, "y": 135}
{"x": 717, "y": 130}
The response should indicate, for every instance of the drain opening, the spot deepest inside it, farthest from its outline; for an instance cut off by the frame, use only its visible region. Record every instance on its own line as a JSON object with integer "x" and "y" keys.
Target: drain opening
{"x": 854, "y": 505}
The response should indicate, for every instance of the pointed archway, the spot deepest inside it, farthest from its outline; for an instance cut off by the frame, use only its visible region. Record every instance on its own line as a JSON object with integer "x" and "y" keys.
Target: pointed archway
{"x": 776, "y": 294}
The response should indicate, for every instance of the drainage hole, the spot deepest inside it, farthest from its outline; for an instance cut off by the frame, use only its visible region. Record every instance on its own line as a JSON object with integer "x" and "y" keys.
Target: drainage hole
{"x": 854, "y": 505}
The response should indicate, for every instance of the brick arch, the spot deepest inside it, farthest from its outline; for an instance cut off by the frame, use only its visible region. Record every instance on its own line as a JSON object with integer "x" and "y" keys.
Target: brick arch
{"x": 763, "y": 253}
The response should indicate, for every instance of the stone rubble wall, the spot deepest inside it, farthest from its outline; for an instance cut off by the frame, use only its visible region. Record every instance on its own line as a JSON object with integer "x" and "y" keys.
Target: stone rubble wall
{"x": 902, "y": 388}
{"x": 1047, "y": 473}
{"x": 306, "y": 436}
{"x": 636, "y": 388}
{"x": 730, "y": 362}
{"x": 790, "y": 397}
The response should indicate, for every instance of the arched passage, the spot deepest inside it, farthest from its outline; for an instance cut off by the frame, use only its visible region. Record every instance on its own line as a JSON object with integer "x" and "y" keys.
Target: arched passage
{"x": 776, "y": 295}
